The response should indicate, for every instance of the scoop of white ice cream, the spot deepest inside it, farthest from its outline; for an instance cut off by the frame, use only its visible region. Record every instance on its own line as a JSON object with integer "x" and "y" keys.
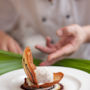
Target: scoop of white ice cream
{"x": 43, "y": 75}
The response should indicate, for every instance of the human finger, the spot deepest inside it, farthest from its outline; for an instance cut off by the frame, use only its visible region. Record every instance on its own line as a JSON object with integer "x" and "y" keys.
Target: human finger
{"x": 45, "y": 49}
{"x": 46, "y": 63}
{"x": 48, "y": 42}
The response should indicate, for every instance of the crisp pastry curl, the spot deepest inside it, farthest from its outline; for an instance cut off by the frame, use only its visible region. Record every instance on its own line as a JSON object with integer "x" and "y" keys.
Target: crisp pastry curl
{"x": 29, "y": 68}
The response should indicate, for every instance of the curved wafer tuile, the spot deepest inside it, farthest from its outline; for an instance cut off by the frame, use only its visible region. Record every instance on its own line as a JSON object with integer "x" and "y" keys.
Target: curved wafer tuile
{"x": 28, "y": 65}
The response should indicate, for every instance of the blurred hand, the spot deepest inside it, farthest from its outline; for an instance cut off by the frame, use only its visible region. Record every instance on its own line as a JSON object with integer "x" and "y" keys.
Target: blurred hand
{"x": 71, "y": 37}
{"x": 7, "y": 43}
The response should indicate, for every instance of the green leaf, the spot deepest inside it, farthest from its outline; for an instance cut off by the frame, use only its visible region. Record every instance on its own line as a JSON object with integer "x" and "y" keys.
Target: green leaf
{"x": 11, "y": 61}
{"x": 75, "y": 63}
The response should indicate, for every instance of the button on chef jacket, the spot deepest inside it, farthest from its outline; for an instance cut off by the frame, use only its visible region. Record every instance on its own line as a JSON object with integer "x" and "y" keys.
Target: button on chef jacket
{"x": 30, "y": 21}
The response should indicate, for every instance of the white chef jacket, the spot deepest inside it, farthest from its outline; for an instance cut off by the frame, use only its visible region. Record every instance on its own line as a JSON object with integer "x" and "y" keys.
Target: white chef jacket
{"x": 36, "y": 19}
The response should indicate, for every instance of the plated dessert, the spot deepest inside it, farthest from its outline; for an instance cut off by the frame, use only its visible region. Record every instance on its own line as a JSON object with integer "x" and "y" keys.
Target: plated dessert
{"x": 39, "y": 78}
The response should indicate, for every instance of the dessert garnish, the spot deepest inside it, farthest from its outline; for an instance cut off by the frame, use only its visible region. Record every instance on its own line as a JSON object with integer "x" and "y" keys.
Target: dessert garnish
{"x": 39, "y": 78}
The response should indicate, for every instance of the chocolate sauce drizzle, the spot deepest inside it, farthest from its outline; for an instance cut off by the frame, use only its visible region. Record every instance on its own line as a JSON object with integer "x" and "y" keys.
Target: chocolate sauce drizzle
{"x": 26, "y": 87}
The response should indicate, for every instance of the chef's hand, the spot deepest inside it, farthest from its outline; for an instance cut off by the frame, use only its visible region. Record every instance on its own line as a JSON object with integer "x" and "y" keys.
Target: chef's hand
{"x": 71, "y": 37}
{"x": 7, "y": 43}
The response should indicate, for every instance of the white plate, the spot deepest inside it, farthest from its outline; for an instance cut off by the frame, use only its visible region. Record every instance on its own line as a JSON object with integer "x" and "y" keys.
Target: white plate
{"x": 73, "y": 79}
